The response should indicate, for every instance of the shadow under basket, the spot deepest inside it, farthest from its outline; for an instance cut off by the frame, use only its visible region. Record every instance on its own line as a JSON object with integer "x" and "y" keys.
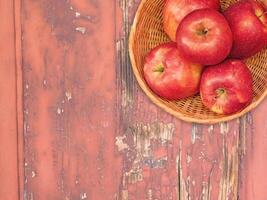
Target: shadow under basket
{"x": 147, "y": 32}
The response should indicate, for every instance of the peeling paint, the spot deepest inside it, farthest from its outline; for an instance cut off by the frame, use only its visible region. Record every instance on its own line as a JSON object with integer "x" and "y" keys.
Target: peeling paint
{"x": 126, "y": 98}
{"x": 155, "y": 163}
{"x": 33, "y": 174}
{"x": 210, "y": 129}
{"x": 229, "y": 179}
{"x": 68, "y": 95}
{"x": 83, "y": 195}
{"x": 142, "y": 136}
{"x": 26, "y": 111}
{"x": 149, "y": 194}
{"x": 182, "y": 184}
{"x": 30, "y": 196}
{"x": 81, "y": 29}
{"x": 158, "y": 131}
{"x": 91, "y": 18}
{"x": 59, "y": 111}
{"x": 134, "y": 176}
{"x": 194, "y": 135}
{"x": 205, "y": 190}
{"x": 188, "y": 159}
{"x": 124, "y": 194}
{"x": 224, "y": 128}
{"x": 120, "y": 143}
{"x": 77, "y": 14}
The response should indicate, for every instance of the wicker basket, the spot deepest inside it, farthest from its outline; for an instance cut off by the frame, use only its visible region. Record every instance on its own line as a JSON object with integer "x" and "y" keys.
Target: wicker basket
{"x": 147, "y": 32}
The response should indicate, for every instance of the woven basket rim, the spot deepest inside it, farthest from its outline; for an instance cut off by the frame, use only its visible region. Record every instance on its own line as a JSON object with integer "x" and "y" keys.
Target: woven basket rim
{"x": 155, "y": 100}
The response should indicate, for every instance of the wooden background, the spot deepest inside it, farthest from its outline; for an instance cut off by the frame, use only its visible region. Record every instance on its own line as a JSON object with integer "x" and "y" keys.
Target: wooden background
{"x": 74, "y": 124}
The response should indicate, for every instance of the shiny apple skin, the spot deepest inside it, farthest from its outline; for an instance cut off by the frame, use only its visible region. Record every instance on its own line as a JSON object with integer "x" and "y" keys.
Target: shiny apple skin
{"x": 204, "y": 37}
{"x": 234, "y": 77}
{"x": 180, "y": 77}
{"x": 175, "y": 10}
{"x": 249, "y": 29}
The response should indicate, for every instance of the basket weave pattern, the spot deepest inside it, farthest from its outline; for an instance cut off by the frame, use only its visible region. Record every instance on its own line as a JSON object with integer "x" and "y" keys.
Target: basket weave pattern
{"x": 147, "y": 32}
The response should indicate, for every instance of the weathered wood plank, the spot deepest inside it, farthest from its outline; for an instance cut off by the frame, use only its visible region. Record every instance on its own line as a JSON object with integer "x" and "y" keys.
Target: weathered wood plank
{"x": 146, "y": 138}
{"x": 69, "y": 100}
{"x": 200, "y": 162}
{"x": 8, "y": 105}
{"x": 165, "y": 158}
{"x": 209, "y": 162}
{"x": 253, "y": 182}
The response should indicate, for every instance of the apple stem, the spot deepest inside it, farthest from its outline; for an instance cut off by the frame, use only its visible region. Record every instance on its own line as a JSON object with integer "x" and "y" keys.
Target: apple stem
{"x": 203, "y": 31}
{"x": 220, "y": 92}
{"x": 159, "y": 69}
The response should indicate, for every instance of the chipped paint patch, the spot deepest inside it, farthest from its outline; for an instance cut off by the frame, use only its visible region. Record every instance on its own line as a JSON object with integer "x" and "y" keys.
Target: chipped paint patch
{"x": 68, "y": 95}
{"x": 188, "y": 159}
{"x": 155, "y": 163}
{"x": 229, "y": 179}
{"x": 224, "y": 128}
{"x": 134, "y": 176}
{"x": 124, "y": 195}
{"x": 60, "y": 111}
{"x": 145, "y": 145}
{"x": 126, "y": 98}
{"x": 77, "y": 14}
{"x": 83, "y": 195}
{"x": 205, "y": 190}
{"x": 81, "y": 29}
{"x": 194, "y": 134}
{"x": 33, "y": 174}
{"x": 150, "y": 194}
{"x": 121, "y": 144}
{"x": 26, "y": 111}
{"x": 210, "y": 129}
{"x": 144, "y": 134}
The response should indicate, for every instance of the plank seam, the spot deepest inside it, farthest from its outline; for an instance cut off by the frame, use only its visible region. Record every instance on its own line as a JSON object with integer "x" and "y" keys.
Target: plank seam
{"x": 19, "y": 93}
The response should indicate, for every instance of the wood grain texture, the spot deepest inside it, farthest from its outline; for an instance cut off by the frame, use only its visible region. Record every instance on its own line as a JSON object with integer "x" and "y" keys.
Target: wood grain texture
{"x": 91, "y": 133}
{"x": 69, "y": 100}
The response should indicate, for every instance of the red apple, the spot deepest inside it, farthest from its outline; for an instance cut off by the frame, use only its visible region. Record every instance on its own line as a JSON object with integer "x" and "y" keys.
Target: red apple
{"x": 226, "y": 88}
{"x": 175, "y": 10}
{"x": 248, "y": 21}
{"x": 169, "y": 75}
{"x": 204, "y": 37}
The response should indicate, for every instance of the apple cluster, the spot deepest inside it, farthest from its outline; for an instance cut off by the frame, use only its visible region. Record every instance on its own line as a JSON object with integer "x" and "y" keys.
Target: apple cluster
{"x": 206, "y": 52}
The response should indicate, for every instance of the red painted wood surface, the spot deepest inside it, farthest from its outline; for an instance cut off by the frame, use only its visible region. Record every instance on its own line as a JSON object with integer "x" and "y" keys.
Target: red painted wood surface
{"x": 69, "y": 100}
{"x": 9, "y": 176}
{"x": 86, "y": 130}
